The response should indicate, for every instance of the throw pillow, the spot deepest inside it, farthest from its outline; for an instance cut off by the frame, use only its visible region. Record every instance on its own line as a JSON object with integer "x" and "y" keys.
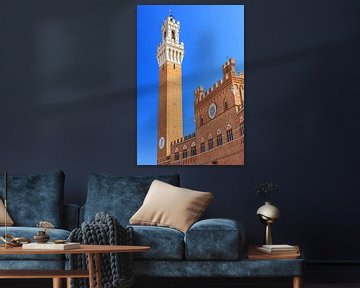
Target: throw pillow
{"x": 9, "y": 221}
{"x": 35, "y": 198}
{"x": 170, "y": 206}
{"x": 120, "y": 196}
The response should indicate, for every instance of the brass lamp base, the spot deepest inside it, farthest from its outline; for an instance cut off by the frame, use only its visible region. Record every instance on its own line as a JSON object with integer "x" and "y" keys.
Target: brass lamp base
{"x": 268, "y": 238}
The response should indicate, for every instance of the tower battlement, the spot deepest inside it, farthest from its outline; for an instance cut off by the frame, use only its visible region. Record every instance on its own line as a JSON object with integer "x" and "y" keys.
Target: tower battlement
{"x": 199, "y": 94}
{"x": 229, "y": 68}
{"x": 183, "y": 139}
{"x": 228, "y": 71}
{"x": 170, "y": 20}
{"x": 170, "y": 48}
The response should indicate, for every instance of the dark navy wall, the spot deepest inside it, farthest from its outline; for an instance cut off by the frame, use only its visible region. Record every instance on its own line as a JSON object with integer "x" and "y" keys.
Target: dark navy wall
{"x": 68, "y": 101}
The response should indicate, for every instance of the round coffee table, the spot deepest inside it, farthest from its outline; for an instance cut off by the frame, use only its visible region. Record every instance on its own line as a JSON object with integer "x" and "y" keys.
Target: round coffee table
{"x": 92, "y": 251}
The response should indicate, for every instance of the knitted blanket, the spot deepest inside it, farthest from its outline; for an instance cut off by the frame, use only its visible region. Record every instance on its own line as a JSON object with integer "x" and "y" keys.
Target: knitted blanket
{"x": 116, "y": 268}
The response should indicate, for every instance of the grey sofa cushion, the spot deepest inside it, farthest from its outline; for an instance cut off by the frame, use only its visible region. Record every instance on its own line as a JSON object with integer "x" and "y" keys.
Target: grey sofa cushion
{"x": 29, "y": 232}
{"x": 214, "y": 239}
{"x": 35, "y": 198}
{"x": 166, "y": 243}
{"x": 119, "y": 196}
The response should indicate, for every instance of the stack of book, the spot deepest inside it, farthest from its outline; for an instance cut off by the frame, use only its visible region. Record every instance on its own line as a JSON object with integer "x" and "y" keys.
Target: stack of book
{"x": 274, "y": 252}
{"x": 279, "y": 249}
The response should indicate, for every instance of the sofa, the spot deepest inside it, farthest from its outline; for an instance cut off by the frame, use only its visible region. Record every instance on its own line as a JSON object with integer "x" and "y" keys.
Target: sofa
{"x": 32, "y": 199}
{"x": 209, "y": 248}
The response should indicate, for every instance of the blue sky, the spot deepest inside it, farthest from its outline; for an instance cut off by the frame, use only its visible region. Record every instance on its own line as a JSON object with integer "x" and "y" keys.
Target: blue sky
{"x": 211, "y": 34}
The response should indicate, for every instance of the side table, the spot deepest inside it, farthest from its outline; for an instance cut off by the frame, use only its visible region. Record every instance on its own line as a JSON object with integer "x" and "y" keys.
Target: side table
{"x": 289, "y": 261}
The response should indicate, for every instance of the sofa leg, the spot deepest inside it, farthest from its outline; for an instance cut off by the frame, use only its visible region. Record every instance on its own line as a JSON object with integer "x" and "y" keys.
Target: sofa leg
{"x": 57, "y": 283}
{"x": 297, "y": 282}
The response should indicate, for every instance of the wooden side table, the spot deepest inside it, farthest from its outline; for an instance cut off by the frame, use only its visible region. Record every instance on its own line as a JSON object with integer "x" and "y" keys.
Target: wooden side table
{"x": 254, "y": 254}
{"x": 93, "y": 251}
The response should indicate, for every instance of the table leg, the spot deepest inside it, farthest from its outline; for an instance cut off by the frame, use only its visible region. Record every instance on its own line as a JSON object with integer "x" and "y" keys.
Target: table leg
{"x": 297, "y": 282}
{"x": 98, "y": 270}
{"x": 68, "y": 282}
{"x": 57, "y": 283}
{"x": 91, "y": 270}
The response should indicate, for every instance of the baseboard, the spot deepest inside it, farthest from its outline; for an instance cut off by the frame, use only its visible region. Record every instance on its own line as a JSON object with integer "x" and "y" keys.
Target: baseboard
{"x": 332, "y": 271}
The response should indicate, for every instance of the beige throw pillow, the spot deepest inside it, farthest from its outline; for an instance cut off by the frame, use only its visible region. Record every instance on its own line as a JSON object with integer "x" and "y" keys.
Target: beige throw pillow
{"x": 170, "y": 206}
{"x": 9, "y": 221}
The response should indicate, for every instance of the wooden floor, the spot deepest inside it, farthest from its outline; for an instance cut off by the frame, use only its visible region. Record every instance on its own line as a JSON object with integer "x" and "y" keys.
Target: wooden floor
{"x": 339, "y": 285}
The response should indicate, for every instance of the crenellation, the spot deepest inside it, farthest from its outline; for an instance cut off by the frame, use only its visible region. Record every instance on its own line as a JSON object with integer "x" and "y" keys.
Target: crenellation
{"x": 228, "y": 70}
{"x": 183, "y": 139}
{"x": 170, "y": 49}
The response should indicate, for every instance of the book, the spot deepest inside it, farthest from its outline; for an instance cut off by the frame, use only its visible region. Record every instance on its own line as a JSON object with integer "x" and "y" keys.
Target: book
{"x": 51, "y": 246}
{"x": 278, "y": 249}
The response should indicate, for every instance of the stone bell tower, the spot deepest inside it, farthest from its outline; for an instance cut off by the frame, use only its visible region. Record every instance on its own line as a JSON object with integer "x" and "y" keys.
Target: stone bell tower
{"x": 170, "y": 53}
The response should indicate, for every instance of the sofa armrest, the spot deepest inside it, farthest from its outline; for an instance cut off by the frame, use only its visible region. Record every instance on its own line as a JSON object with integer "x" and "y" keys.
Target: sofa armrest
{"x": 82, "y": 214}
{"x": 215, "y": 239}
{"x": 70, "y": 216}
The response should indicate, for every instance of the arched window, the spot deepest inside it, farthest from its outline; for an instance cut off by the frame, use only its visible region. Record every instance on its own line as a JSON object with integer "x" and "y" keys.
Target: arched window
{"x": 193, "y": 149}
{"x": 210, "y": 142}
{"x": 176, "y": 154}
{"x": 202, "y": 145}
{"x": 229, "y": 133}
{"x": 219, "y": 140}
{"x": 173, "y": 35}
{"x": 184, "y": 152}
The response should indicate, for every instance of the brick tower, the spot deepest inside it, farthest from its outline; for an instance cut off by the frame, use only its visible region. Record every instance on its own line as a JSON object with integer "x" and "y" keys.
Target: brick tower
{"x": 170, "y": 53}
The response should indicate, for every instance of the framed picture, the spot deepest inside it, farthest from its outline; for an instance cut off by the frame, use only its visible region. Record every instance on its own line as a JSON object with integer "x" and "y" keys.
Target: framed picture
{"x": 190, "y": 85}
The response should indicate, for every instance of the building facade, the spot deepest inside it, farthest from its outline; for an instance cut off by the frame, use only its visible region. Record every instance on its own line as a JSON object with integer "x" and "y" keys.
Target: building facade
{"x": 219, "y": 112}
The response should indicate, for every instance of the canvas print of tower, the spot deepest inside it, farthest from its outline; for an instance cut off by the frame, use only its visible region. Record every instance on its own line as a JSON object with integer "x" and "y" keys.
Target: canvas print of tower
{"x": 190, "y": 85}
